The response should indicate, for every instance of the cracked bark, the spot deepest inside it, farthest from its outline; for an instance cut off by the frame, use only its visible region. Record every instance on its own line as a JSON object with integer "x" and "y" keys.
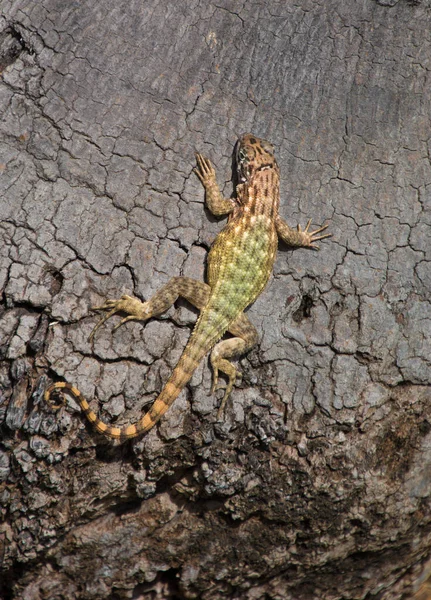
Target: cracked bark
{"x": 317, "y": 484}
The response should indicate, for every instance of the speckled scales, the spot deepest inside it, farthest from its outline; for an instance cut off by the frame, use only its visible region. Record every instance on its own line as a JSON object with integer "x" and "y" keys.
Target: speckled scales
{"x": 240, "y": 263}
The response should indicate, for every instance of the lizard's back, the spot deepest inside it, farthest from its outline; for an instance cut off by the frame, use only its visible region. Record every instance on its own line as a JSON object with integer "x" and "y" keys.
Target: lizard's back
{"x": 242, "y": 257}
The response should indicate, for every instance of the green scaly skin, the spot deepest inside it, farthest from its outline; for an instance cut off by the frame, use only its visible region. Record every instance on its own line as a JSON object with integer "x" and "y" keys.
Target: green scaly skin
{"x": 240, "y": 263}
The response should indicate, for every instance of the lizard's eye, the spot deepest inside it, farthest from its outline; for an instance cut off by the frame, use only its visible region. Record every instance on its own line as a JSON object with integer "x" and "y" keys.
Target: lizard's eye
{"x": 242, "y": 154}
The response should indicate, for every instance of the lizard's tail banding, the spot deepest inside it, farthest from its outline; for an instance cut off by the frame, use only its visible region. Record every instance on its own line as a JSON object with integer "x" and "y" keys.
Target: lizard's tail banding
{"x": 176, "y": 383}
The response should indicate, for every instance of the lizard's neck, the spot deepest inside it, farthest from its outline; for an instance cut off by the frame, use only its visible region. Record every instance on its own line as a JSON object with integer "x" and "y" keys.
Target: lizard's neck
{"x": 261, "y": 194}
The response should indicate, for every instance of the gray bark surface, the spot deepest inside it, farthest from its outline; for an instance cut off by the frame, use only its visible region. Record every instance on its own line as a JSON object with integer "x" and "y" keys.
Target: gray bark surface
{"x": 316, "y": 485}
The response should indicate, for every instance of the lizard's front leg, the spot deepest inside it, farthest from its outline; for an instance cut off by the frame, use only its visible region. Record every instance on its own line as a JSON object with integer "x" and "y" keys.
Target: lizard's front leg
{"x": 214, "y": 200}
{"x": 196, "y": 292}
{"x": 298, "y": 237}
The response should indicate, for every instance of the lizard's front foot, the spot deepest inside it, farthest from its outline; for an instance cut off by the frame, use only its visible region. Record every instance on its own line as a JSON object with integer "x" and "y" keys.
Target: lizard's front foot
{"x": 205, "y": 171}
{"x": 309, "y": 237}
{"x": 134, "y": 308}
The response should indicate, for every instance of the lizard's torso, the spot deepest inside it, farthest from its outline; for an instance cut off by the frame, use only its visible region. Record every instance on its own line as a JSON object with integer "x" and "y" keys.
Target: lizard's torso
{"x": 242, "y": 256}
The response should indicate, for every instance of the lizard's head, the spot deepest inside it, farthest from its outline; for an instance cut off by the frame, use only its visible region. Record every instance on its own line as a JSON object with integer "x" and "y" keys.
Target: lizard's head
{"x": 253, "y": 154}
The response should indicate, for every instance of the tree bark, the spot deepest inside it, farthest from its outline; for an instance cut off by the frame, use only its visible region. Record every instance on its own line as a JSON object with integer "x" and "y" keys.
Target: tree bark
{"x": 316, "y": 485}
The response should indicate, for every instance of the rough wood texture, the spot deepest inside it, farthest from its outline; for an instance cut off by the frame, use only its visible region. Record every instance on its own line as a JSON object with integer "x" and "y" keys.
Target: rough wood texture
{"x": 317, "y": 485}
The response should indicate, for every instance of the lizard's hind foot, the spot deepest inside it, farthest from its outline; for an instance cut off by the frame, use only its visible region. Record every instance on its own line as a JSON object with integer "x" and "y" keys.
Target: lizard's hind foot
{"x": 245, "y": 340}
{"x": 134, "y": 308}
{"x": 231, "y": 382}
{"x": 229, "y": 369}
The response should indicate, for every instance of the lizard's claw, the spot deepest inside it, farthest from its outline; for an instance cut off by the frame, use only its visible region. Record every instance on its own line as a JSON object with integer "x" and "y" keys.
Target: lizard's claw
{"x": 126, "y": 304}
{"x": 312, "y": 236}
{"x": 204, "y": 171}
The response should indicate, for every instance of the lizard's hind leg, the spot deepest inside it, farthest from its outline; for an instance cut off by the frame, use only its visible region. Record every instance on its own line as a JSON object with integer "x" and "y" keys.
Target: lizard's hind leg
{"x": 196, "y": 292}
{"x": 245, "y": 338}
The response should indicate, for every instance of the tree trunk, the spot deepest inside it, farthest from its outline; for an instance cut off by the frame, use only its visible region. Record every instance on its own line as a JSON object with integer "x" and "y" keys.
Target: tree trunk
{"x": 316, "y": 484}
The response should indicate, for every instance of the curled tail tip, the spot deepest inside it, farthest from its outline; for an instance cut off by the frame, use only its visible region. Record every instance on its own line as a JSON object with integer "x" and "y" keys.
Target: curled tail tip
{"x": 165, "y": 399}
{"x": 115, "y": 433}
{"x": 55, "y": 387}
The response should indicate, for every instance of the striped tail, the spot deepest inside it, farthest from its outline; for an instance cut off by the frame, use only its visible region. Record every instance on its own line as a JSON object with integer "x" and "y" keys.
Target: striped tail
{"x": 181, "y": 375}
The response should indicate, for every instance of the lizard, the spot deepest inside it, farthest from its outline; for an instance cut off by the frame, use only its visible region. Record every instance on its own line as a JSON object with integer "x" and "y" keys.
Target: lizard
{"x": 239, "y": 264}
